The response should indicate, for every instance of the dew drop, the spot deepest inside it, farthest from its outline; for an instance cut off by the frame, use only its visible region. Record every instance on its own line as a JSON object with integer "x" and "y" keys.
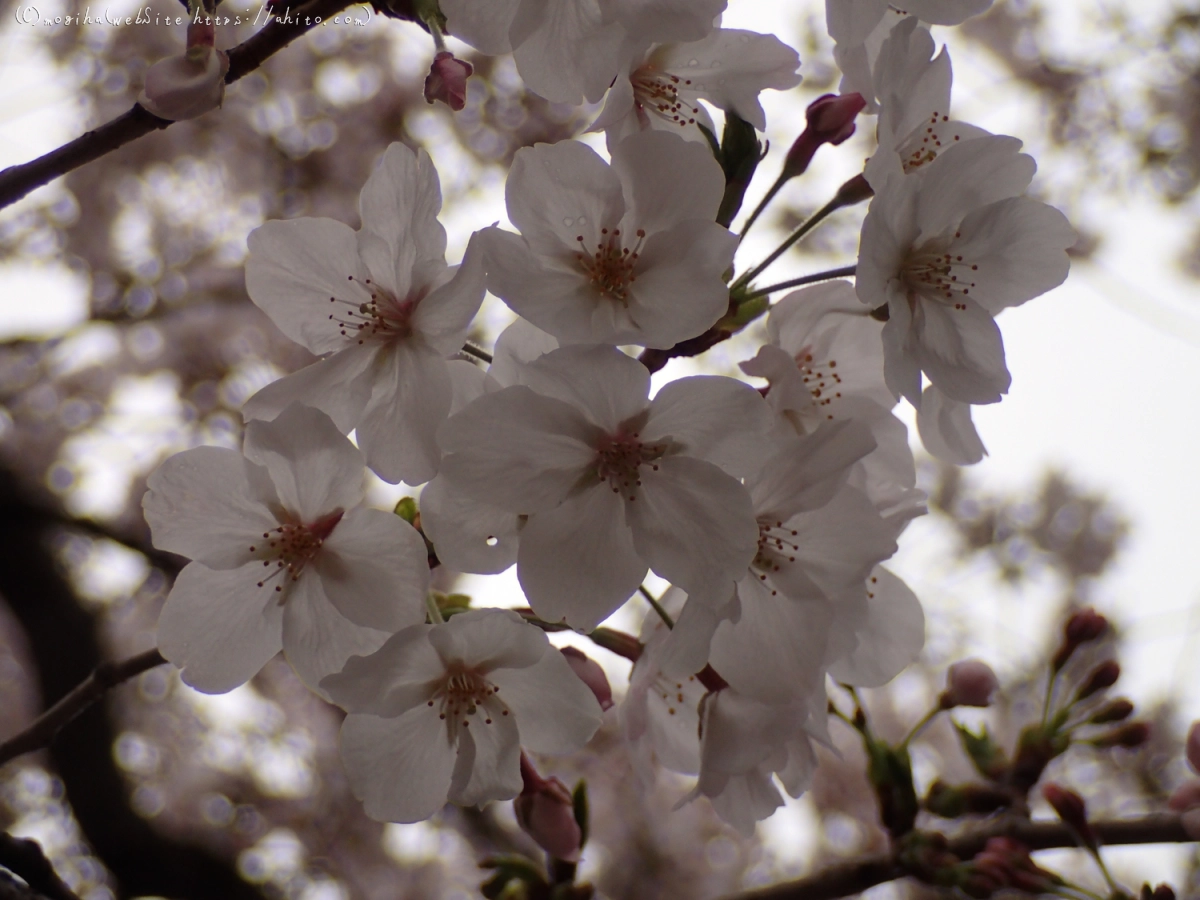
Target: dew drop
{"x": 582, "y": 220}
{"x": 568, "y": 221}
{"x": 693, "y": 62}
{"x": 492, "y": 540}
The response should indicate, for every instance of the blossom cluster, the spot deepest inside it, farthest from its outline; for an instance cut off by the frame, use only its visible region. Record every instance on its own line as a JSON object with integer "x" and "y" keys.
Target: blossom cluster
{"x": 769, "y": 502}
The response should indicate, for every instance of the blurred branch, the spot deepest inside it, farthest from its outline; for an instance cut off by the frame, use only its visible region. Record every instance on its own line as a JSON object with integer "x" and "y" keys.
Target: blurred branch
{"x": 858, "y": 875}
{"x": 25, "y": 858}
{"x": 48, "y": 724}
{"x": 17, "y": 181}
{"x": 11, "y": 889}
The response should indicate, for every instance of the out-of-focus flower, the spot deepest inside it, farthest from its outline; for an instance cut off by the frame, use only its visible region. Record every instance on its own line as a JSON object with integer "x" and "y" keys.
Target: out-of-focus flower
{"x": 969, "y": 683}
{"x": 186, "y": 85}
{"x": 546, "y": 812}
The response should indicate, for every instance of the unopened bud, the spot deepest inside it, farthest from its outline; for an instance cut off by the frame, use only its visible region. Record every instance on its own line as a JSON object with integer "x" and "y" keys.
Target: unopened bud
{"x": 447, "y": 80}
{"x": 1185, "y": 797}
{"x": 1083, "y": 626}
{"x": 1160, "y": 892}
{"x": 1101, "y": 678}
{"x": 1193, "y": 747}
{"x": 1114, "y": 711}
{"x": 186, "y": 85}
{"x": 830, "y": 121}
{"x": 1133, "y": 734}
{"x": 969, "y": 683}
{"x": 546, "y": 812}
{"x": 1072, "y": 810}
{"x": 591, "y": 674}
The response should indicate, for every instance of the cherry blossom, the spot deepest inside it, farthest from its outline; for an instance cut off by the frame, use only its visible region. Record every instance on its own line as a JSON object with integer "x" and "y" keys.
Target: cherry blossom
{"x": 662, "y": 88}
{"x": 447, "y": 80}
{"x": 381, "y": 305}
{"x": 186, "y": 85}
{"x": 947, "y": 430}
{"x": 622, "y": 254}
{"x": 877, "y": 631}
{"x": 440, "y": 712}
{"x": 945, "y": 249}
{"x": 612, "y": 484}
{"x": 284, "y": 557}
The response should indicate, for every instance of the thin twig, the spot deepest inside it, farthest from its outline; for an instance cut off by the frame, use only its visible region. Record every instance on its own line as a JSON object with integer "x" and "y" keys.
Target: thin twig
{"x": 857, "y": 875}
{"x": 828, "y": 275}
{"x": 17, "y": 181}
{"x": 106, "y": 675}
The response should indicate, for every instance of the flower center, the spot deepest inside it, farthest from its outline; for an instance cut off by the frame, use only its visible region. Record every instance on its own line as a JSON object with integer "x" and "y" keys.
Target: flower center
{"x": 924, "y": 144}
{"x": 938, "y": 275}
{"x": 611, "y": 267}
{"x": 820, "y": 377}
{"x": 382, "y": 318}
{"x": 658, "y": 93}
{"x": 776, "y": 547}
{"x": 463, "y": 692}
{"x": 291, "y": 547}
{"x": 619, "y": 458}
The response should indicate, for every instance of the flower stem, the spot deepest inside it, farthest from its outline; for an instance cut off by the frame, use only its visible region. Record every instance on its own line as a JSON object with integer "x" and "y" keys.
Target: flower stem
{"x": 762, "y": 204}
{"x": 828, "y": 275}
{"x": 435, "y": 612}
{"x": 477, "y": 352}
{"x": 657, "y": 607}
{"x": 919, "y": 727}
{"x": 812, "y": 222}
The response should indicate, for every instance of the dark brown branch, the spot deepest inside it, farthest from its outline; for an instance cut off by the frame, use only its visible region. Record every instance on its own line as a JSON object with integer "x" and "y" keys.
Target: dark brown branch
{"x": 48, "y": 724}
{"x": 17, "y": 181}
{"x": 25, "y": 858}
{"x": 11, "y": 889}
{"x": 858, "y": 875}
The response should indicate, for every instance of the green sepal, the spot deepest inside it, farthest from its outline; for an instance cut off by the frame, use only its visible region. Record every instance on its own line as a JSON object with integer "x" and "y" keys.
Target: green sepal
{"x": 890, "y": 772}
{"x": 985, "y": 754}
{"x": 514, "y": 877}
{"x": 741, "y": 153}
{"x": 406, "y": 508}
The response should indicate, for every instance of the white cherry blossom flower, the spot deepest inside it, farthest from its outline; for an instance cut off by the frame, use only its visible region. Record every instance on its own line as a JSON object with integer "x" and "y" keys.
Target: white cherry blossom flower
{"x": 627, "y": 254}
{"x": 284, "y": 557}
{"x": 824, "y": 363}
{"x": 945, "y": 249}
{"x": 440, "y": 712}
{"x": 611, "y": 483}
{"x": 569, "y": 51}
{"x": 878, "y": 630}
{"x": 381, "y": 305}
{"x": 662, "y": 88}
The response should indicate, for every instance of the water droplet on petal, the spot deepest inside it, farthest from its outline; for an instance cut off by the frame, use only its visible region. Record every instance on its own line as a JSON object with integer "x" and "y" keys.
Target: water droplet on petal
{"x": 568, "y": 221}
{"x": 693, "y": 62}
{"x": 582, "y": 220}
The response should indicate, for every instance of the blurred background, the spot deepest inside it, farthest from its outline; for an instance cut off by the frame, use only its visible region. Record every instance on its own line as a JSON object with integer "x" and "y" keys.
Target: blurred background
{"x": 126, "y": 335}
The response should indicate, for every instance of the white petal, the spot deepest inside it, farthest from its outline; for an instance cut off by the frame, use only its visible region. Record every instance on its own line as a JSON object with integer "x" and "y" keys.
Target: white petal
{"x": 483, "y": 24}
{"x": 850, "y": 21}
{"x": 668, "y": 20}
{"x": 209, "y": 504}
{"x": 489, "y": 757}
{"x": 338, "y": 386}
{"x": 400, "y": 768}
{"x": 678, "y": 292}
{"x": 444, "y": 316}
{"x": 315, "y": 469}
{"x": 948, "y": 12}
{"x": 610, "y": 387}
{"x": 219, "y": 626}
{"x": 489, "y": 639}
{"x": 890, "y": 638}
{"x": 468, "y": 383}
{"x": 714, "y": 418}
{"x": 403, "y": 673}
{"x": 537, "y": 449}
{"x": 693, "y": 524}
{"x": 556, "y": 192}
{"x": 317, "y": 639}
{"x": 295, "y": 266}
{"x": 901, "y": 368}
{"x": 518, "y": 345}
{"x": 967, "y": 176}
{"x": 577, "y": 563}
{"x": 555, "y": 711}
{"x": 1020, "y": 246}
{"x": 411, "y": 400}
{"x": 468, "y": 536}
{"x": 947, "y": 430}
{"x": 961, "y": 351}
{"x": 809, "y": 470}
{"x": 569, "y": 54}
{"x": 399, "y": 205}
{"x": 374, "y": 570}
{"x": 747, "y": 799}
{"x": 667, "y": 180}
{"x": 686, "y": 649}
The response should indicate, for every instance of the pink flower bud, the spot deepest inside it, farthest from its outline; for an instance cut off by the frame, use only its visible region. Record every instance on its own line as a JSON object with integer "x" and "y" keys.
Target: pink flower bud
{"x": 186, "y": 85}
{"x": 591, "y": 674}
{"x": 1193, "y": 747}
{"x": 1071, "y": 809}
{"x": 969, "y": 683}
{"x": 447, "y": 80}
{"x": 1101, "y": 678}
{"x": 546, "y": 813}
{"x": 1185, "y": 797}
{"x": 830, "y": 121}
